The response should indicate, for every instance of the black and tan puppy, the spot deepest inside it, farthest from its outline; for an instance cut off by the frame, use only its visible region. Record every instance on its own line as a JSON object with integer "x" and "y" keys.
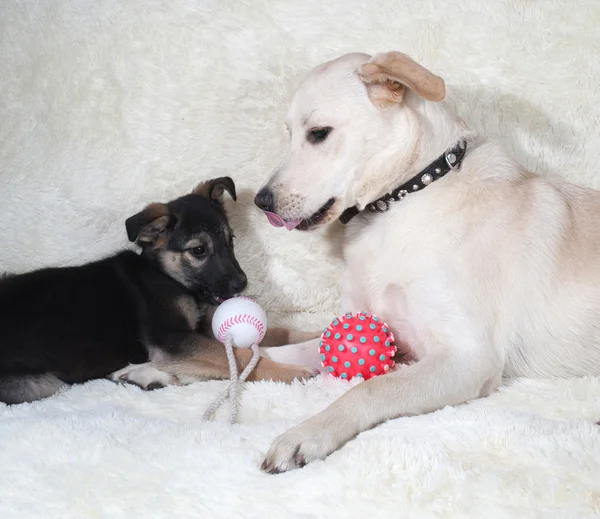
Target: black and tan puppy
{"x": 139, "y": 318}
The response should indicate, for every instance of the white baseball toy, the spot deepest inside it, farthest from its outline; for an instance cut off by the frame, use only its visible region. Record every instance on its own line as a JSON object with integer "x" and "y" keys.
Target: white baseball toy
{"x": 238, "y": 322}
{"x": 243, "y": 319}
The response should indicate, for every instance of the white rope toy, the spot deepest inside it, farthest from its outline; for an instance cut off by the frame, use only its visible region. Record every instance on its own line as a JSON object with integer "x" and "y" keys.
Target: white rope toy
{"x": 238, "y": 322}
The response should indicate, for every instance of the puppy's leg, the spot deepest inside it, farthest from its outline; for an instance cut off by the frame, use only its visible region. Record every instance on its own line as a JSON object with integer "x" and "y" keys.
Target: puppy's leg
{"x": 145, "y": 376}
{"x": 200, "y": 358}
{"x": 303, "y": 354}
{"x": 430, "y": 384}
{"x": 27, "y": 388}
{"x": 285, "y": 336}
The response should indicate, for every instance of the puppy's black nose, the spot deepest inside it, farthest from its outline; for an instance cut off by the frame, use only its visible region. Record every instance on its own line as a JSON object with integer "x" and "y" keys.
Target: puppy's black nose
{"x": 264, "y": 199}
{"x": 238, "y": 285}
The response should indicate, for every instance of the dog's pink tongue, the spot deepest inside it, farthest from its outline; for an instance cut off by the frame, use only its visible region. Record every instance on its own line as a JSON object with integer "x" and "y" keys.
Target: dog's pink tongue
{"x": 276, "y": 221}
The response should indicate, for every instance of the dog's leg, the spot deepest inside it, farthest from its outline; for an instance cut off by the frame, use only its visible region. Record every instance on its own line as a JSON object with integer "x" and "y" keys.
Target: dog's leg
{"x": 426, "y": 386}
{"x": 205, "y": 359}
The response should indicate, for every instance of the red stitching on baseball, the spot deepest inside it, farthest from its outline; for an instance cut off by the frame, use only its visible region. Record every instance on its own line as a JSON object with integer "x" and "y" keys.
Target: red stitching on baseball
{"x": 241, "y": 318}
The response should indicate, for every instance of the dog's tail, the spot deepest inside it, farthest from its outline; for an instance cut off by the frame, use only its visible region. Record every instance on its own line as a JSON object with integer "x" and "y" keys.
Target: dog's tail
{"x": 17, "y": 389}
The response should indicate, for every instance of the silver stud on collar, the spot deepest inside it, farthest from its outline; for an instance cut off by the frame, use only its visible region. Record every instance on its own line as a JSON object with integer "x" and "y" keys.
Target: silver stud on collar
{"x": 453, "y": 160}
{"x": 381, "y": 205}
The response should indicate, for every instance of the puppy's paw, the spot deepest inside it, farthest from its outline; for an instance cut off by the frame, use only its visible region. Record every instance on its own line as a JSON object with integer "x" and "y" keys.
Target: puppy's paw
{"x": 302, "y": 444}
{"x": 145, "y": 376}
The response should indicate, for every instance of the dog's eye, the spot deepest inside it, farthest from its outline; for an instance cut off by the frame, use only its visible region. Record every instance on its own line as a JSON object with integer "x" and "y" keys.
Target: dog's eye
{"x": 316, "y": 135}
{"x": 198, "y": 251}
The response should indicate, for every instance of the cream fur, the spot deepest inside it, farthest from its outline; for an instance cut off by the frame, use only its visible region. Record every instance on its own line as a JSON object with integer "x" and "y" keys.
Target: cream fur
{"x": 489, "y": 272}
{"x": 107, "y": 106}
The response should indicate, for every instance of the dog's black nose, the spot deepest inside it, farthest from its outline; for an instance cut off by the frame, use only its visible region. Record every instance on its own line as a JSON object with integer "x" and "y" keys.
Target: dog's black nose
{"x": 264, "y": 199}
{"x": 238, "y": 285}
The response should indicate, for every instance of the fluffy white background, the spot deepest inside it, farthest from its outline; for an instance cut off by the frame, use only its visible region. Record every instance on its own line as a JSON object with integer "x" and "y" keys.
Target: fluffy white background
{"x": 106, "y": 106}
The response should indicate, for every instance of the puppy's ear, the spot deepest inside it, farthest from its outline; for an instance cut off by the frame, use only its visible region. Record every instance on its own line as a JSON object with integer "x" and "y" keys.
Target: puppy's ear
{"x": 387, "y": 76}
{"x": 147, "y": 225}
{"x": 215, "y": 188}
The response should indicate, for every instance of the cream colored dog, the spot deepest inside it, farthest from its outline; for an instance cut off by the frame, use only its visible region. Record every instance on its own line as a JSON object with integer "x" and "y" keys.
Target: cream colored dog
{"x": 489, "y": 271}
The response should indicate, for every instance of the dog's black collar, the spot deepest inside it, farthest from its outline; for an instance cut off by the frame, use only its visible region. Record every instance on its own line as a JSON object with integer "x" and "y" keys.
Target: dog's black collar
{"x": 451, "y": 159}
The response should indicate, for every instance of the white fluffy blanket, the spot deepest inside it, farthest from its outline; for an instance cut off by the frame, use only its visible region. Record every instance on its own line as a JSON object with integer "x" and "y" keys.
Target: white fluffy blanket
{"x": 105, "y": 106}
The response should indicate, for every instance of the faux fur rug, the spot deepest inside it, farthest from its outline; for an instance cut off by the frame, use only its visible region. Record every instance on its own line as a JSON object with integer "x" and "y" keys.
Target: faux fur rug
{"x": 106, "y": 106}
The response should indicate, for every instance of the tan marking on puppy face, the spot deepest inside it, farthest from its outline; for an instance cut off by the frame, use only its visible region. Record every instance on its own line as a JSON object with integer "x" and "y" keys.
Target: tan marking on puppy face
{"x": 200, "y": 240}
{"x": 172, "y": 264}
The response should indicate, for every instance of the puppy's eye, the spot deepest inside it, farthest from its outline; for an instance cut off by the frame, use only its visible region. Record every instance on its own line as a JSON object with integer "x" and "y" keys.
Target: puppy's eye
{"x": 198, "y": 251}
{"x": 316, "y": 135}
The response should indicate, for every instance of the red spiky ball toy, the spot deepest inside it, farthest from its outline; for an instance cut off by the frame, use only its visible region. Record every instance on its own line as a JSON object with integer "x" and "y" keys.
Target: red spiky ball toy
{"x": 358, "y": 345}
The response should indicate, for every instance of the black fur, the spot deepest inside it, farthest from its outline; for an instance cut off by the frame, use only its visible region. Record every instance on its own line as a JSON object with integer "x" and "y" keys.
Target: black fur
{"x": 69, "y": 325}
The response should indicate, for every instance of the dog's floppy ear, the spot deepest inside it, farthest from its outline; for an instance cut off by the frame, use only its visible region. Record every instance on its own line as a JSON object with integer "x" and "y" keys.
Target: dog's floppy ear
{"x": 387, "y": 75}
{"x": 148, "y": 224}
{"x": 215, "y": 188}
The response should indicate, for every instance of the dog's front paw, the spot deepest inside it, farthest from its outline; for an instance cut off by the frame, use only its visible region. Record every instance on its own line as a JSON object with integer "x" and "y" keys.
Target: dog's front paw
{"x": 145, "y": 376}
{"x": 309, "y": 441}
